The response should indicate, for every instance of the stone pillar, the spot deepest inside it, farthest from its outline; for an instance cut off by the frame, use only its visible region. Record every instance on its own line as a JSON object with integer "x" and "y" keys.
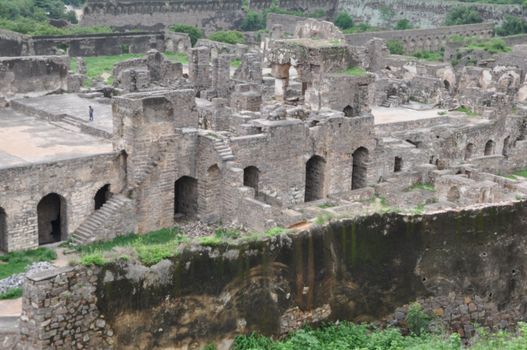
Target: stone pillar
{"x": 221, "y": 75}
{"x": 199, "y": 70}
{"x": 281, "y": 74}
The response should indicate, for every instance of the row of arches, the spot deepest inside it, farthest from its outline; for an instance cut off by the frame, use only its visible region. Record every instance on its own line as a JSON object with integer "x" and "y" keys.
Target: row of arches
{"x": 160, "y": 7}
{"x": 52, "y": 217}
{"x": 489, "y": 150}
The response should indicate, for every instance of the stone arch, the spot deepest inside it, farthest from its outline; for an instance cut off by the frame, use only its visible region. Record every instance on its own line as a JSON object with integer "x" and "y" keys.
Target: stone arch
{"x": 251, "y": 178}
{"x": 398, "y": 165}
{"x": 315, "y": 168}
{"x": 102, "y": 196}
{"x": 3, "y": 230}
{"x": 453, "y": 194}
{"x": 52, "y": 219}
{"x": 349, "y": 111}
{"x": 506, "y": 146}
{"x": 186, "y": 197}
{"x": 359, "y": 175}
{"x": 469, "y": 151}
{"x": 489, "y": 148}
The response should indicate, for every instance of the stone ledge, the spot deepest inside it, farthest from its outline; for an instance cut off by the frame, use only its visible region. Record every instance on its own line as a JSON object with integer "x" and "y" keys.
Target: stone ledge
{"x": 45, "y": 275}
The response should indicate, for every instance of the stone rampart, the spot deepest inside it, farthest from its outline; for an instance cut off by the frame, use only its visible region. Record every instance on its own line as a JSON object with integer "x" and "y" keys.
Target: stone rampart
{"x": 421, "y": 13}
{"x": 209, "y": 15}
{"x": 425, "y": 39}
{"x": 347, "y": 270}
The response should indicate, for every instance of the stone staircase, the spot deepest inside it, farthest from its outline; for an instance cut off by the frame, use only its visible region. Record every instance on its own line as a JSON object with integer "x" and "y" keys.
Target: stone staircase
{"x": 89, "y": 230}
{"x": 392, "y": 101}
{"x": 224, "y": 150}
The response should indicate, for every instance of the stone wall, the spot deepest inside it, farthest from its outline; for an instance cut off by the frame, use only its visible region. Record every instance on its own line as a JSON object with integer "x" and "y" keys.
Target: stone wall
{"x": 98, "y": 44}
{"x": 29, "y": 74}
{"x": 13, "y": 44}
{"x": 209, "y": 15}
{"x": 421, "y": 13}
{"x": 358, "y": 270}
{"x": 424, "y": 39}
{"x": 75, "y": 181}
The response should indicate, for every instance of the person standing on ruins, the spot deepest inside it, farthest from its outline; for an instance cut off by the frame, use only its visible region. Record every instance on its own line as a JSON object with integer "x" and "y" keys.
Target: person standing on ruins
{"x": 90, "y": 109}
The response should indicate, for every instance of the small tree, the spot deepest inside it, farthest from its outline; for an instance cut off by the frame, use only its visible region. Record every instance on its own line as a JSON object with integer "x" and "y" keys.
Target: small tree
{"x": 512, "y": 25}
{"x": 193, "y": 32}
{"x": 253, "y": 21}
{"x": 344, "y": 21}
{"x": 418, "y": 321}
{"x": 463, "y": 15}
{"x": 396, "y": 47}
{"x": 403, "y": 24}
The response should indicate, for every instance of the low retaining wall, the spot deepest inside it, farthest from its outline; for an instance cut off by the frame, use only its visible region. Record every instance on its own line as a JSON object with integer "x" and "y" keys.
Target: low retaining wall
{"x": 359, "y": 270}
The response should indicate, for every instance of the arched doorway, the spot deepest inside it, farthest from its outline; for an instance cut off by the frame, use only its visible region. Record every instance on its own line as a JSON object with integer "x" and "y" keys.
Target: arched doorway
{"x": 315, "y": 168}
{"x": 489, "y": 148}
{"x": 506, "y": 146}
{"x": 469, "y": 151}
{"x": 51, "y": 212}
{"x": 398, "y": 164}
{"x": 453, "y": 194}
{"x": 3, "y": 230}
{"x": 251, "y": 178}
{"x": 359, "y": 176}
{"x": 348, "y": 111}
{"x": 186, "y": 197}
{"x": 102, "y": 196}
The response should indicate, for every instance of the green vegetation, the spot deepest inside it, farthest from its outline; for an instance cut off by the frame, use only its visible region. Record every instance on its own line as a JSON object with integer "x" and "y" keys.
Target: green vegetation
{"x": 418, "y": 321}
{"x": 323, "y": 218}
{"x": 275, "y": 231}
{"x": 403, "y": 24}
{"x": 462, "y": 15}
{"x": 469, "y": 112}
{"x": 348, "y": 336}
{"x": 519, "y": 173}
{"x": 101, "y": 67}
{"x": 254, "y": 21}
{"x": 511, "y": 26}
{"x": 149, "y": 248}
{"x": 13, "y": 293}
{"x": 396, "y": 47}
{"x": 228, "y": 36}
{"x": 180, "y": 57}
{"x": 421, "y": 186}
{"x": 326, "y": 205}
{"x": 17, "y": 262}
{"x": 490, "y": 45}
{"x": 355, "y": 72}
{"x": 362, "y": 27}
{"x": 344, "y": 21}
{"x": 193, "y": 32}
{"x": 236, "y": 63}
{"x": 429, "y": 55}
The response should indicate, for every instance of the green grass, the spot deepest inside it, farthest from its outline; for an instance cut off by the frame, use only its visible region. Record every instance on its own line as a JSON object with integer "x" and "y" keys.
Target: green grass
{"x": 429, "y": 55}
{"x": 469, "y": 112}
{"x": 178, "y": 57}
{"x": 236, "y": 63}
{"x": 17, "y": 262}
{"x": 275, "y": 231}
{"x": 421, "y": 186}
{"x": 519, "y": 173}
{"x": 220, "y": 236}
{"x": 97, "y": 66}
{"x": 13, "y": 293}
{"x": 347, "y": 336}
{"x": 355, "y": 72}
{"x": 150, "y": 248}
{"x": 326, "y": 205}
{"x": 323, "y": 218}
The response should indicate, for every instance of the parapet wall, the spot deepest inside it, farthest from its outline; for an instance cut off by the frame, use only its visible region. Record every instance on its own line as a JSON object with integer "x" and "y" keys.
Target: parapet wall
{"x": 209, "y": 15}
{"x": 360, "y": 269}
{"x": 421, "y": 13}
{"x": 425, "y": 39}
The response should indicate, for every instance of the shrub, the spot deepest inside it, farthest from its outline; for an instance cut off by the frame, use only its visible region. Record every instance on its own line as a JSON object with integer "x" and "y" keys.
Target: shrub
{"x": 511, "y": 26}
{"x": 462, "y": 15}
{"x": 193, "y": 32}
{"x": 228, "y": 36}
{"x": 429, "y": 55}
{"x": 13, "y": 293}
{"x": 395, "y": 46}
{"x": 417, "y": 320}
{"x": 253, "y": 21}
{"x": 344, "y": 21}
{"x": 275, "y": 231}
{"x": 403, "y": 24}
{"x": 93, "y": 259}
{"x": 355, "y": 72}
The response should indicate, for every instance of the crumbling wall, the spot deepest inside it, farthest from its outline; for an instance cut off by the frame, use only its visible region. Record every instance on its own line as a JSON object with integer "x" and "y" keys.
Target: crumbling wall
{"x": 74, "y": 180}
{"x": 14, "y": 44}
{"x": 33, "y": 73}
{"x": 360, "y": 269}
{"x": 422, "y": 13}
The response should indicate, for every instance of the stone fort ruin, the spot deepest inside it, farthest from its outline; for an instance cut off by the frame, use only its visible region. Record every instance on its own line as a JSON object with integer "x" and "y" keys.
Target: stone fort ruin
{"x": 311, "y": 123}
